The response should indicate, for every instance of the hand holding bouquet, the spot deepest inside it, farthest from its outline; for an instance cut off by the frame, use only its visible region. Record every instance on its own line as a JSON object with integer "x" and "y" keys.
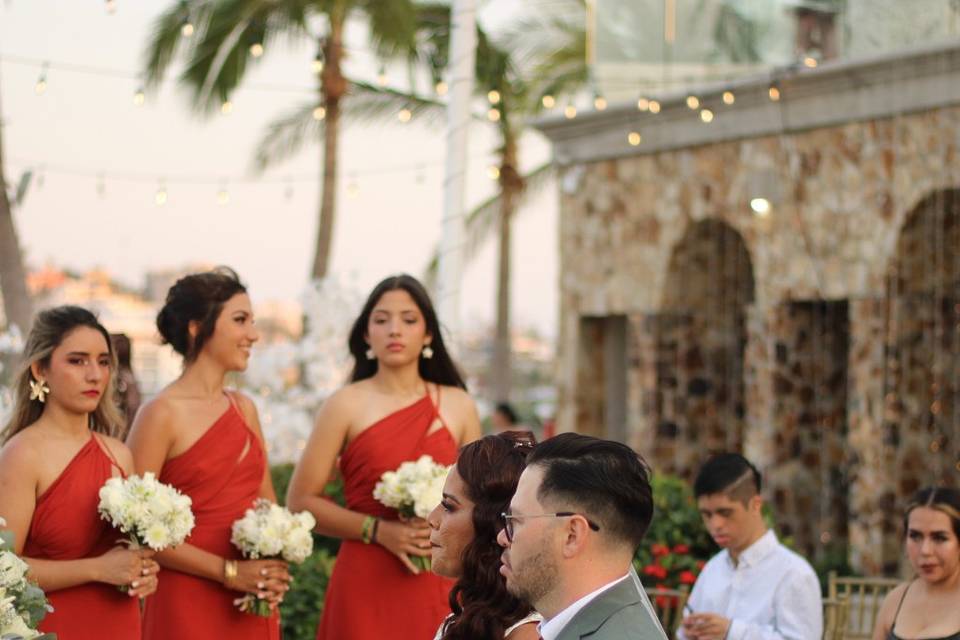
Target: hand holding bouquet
{"x": 414, "y": 489}
{"x": 150, "y": 513}
{"x": 269, "y": 531}
{"x": 22, "y": 604}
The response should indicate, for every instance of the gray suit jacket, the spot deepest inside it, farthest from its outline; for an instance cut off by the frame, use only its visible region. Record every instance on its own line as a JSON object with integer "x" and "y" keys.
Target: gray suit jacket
{"x": 620, "y": 613}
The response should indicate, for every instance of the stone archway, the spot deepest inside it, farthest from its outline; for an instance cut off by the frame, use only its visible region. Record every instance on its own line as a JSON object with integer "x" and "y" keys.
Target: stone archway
{"x": 922, "y": 374}
{"x": 699, "y": 337}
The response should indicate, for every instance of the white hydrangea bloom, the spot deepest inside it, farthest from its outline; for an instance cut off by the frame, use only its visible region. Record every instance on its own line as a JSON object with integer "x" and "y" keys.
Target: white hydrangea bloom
{"x": 151, "y": 513}
{"x": 270, "y": 531}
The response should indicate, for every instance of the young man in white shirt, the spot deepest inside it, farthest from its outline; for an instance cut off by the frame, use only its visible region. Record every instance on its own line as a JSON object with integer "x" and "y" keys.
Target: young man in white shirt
{"x": 756, "y": 588}
{"x": 579, "y": 513}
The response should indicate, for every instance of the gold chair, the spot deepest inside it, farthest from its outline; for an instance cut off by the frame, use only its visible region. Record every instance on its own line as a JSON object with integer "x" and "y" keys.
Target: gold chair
{"x": 669, "y": 603}
{"x": 864, "y": 597}
{"x": 836, "y": 612}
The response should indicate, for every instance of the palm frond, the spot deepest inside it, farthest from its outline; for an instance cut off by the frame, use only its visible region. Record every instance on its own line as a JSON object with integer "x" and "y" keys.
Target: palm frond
{"x": 166, "y": 37}
{"x": 481, "y": 222}
{"x": 285, "y": 136}
{"x": 366, "y": 102}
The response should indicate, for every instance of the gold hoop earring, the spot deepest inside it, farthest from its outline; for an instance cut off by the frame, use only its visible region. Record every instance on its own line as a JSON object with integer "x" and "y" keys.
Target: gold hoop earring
{"x": 39, "y": 390}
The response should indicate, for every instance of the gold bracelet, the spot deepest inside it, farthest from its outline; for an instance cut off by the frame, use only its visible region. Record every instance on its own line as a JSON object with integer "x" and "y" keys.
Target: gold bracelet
{"x": 229, "y": 570}
{"x": 366, "y": 528}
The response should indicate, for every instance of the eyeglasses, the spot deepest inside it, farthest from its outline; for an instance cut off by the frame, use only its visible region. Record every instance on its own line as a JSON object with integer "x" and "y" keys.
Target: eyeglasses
{"x": 508, "y": 519}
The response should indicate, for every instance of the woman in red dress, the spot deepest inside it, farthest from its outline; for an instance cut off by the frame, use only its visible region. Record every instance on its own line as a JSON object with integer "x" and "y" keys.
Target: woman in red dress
{"x": 406, "y": 399}
{"x": 207, "y": 443}
{"x": 60, "y": 448}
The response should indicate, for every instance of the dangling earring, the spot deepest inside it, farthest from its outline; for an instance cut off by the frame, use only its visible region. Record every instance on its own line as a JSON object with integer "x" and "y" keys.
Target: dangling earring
{"x": 38, "y": 390}
{"x": 370, "y": 354}
{"x": 427, "y": 351}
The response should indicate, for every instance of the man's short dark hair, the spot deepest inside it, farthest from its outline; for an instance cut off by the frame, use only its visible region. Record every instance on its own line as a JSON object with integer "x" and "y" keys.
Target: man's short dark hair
{"x": 507, "y": 411}
{"x": 605, "y": 480}
{"x": 730, "y": 474}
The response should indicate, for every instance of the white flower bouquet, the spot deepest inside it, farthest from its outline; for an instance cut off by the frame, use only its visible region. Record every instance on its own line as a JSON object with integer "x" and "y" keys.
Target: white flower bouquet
{"x": 270, "y": 531}
{"x": 152, "y": 514}
{"x": 414, "y": 489}
{"x": 22, "y": 603}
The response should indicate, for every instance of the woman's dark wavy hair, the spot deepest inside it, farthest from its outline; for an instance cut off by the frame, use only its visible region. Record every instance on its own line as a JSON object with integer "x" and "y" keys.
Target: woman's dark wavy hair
{"x": 199, "y": 298}
{"x": 440, "y": 369}
{"x": 482, "y": 607}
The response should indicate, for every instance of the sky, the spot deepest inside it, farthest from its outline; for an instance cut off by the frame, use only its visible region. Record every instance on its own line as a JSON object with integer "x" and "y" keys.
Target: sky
{"x": 390, "y": 192}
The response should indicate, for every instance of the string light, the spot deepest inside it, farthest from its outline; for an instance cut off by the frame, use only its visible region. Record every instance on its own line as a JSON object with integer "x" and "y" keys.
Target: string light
{"x": 111, "y": 7}
{"x": 810, "y": 62}
{"x": 493, "y": 96}
{"x": 41, "y": 85}
{"x": 693, "y": 102}
{"x": 760, "y": 206}
{"x": 319, "y": 113}
{"x": 256, "y": 50}
{"x": 548, "y": 101}
{"x": 729, "y": 98}
{"x": 493, "y": 114}
{"x": 139, "y": 97}
{"x": 160, "y": 197}
{"x": 493, "y": 172}
{"x": 101, "y": 185}
{"x": 404, "y": 115}
{"x": 316, "y": 65}
{"x": 441, "y": 88}
{"x": 634, "y": 138}
{"x": 706, "y": 115}
{"x": 599, "y": 103}
{"x": 570, "y": 112}
{"x": 774, "y": 93}
{"x": 186, "y": 30}
{"x": 654, "y": 106}
{"x": 382, "y": 77}
{"x": 353, "y": 189}
{"x": 223, "y": 197}
{"x": 643, "y": 104}
{"x": 226, "y": 108}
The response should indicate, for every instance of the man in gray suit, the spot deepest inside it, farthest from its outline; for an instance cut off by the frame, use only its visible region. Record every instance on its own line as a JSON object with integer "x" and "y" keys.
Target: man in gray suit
{"x": 580, "y": 511}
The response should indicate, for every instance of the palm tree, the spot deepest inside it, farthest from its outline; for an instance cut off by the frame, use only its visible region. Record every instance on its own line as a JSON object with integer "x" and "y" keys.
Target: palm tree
{"x": 547, "y": 58}
{"x": 220, "y": 38}
{"x": 13, "y": 278}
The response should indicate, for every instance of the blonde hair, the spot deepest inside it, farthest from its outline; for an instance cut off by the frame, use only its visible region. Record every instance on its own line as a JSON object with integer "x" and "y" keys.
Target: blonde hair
{"x": 942, "y": 499}
{"x": 49, "y": 329}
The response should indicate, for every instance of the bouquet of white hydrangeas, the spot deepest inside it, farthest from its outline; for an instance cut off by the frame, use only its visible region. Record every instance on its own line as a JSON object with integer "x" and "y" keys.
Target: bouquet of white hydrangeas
{"x": 152, "y": 514}
{"x": 270, "y": 531}
{"x": 22, "y": 603}
{"x": 414, "y": 490}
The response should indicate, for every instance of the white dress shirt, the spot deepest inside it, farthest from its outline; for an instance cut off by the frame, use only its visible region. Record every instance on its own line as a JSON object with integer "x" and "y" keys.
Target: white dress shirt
{"x": 550, "y": 629}
{"x": 770, "y": 594}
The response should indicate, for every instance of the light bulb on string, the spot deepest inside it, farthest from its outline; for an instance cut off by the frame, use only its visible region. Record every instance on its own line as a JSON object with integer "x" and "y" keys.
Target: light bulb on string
{"x": 160, "y": 197}
{"x": 223, "y": 196}
{"x": 599, "y": 102}
{"x": 706, "y": 116}
{"x": 693, "y": 102}
{"x": 654, "y": 106}
{"x": 382, "y": 77}
{"x": 643, "y": 104}
{"x": 256, "y": 49}
{"x": 186, "y": 29}
{"x": 316, "y": 65}
{"x": 548, "y": 101}
{"x": 319, "y": 113}
{"x": 493, "y": 96}
{"x": 570, "y": 112}
{"x": 493, "y": 172}
{"x": 634, "y": 138}
{"x": 774, "y": 93}
{"x": 353, "y": 189}
{"x": 493, "y": 114}
{"x": 288, "y": 190}
{"x": 404, "y": 115}
{"x": 111, "y": 7}
{"x": 101, "y": 185}
{"x": 226, "y": 108}
{"x": 810, "y": 62}
{"x": 139, "y": 97}
{"x": 41, "y": 85}
{"x": 729, "y": 98}
{"x": 441, "y": 88}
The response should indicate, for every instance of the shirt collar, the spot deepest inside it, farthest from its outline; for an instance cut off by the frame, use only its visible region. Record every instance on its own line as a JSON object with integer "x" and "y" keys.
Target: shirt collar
{"x": 759, "y": 550}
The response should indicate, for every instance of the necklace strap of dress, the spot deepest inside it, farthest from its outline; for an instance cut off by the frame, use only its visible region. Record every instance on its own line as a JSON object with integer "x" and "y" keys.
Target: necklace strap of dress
{"x": 899, "y": 605}
{"x": 106, "y": 449}
{"x": 436, "y": 406}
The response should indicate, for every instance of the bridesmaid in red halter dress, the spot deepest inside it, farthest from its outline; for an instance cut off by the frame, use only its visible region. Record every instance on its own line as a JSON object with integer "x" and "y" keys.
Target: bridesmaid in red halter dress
{"x": 207, "y": 443}
{"x": 59, "y": 450}
{"x": 406, "y": 399}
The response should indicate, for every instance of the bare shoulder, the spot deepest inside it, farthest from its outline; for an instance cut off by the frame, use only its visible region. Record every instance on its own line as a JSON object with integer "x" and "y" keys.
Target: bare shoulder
{"x": 891, "y": 602}
{"x": 246, "y": 405}
{"x": 457, "y": 399}
{"x": 157, "y": 413}
{"x": 345, "y": 398}
{"x": 119, "y": 450}
{"x": 21, "y": 453}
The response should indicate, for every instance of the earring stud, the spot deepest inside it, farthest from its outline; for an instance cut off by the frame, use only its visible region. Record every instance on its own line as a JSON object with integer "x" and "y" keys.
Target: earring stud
{"x": 39, "y": 390}
{"x": 427, "y": 352}
{"x": 370, "y": 354}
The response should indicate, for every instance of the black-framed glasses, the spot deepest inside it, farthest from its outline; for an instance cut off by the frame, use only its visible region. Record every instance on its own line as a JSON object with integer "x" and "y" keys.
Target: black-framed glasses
{"x": 508, "y": 519}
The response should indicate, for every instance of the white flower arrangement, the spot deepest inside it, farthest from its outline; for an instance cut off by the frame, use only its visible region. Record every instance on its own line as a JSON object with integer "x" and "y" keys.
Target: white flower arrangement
{"x": 268, "y": 530}
{"x": 22, "y": 604}
{"x": 152, "y": 514}
{"x": 414, "y": 489}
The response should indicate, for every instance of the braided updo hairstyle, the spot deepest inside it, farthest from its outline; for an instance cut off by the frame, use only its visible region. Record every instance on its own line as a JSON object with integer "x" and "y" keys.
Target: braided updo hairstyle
{"x": 198, "y": 298}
